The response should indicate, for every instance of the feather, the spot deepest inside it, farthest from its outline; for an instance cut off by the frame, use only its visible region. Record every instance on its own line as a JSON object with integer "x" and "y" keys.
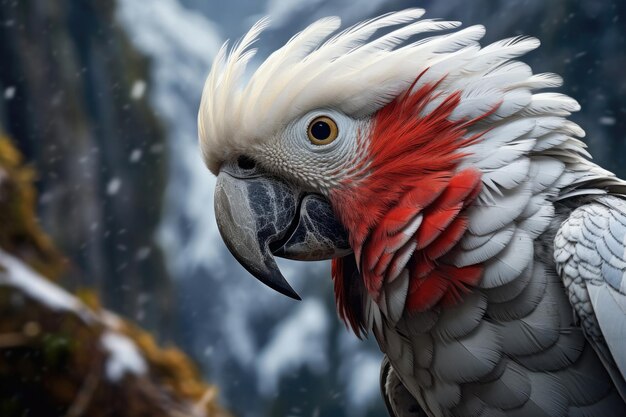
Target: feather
{"x": 512, "y": 102}
{"x": 540, "y": 81}
{"x": 551, "y": 103}
{"x": 472, "y": 241}
{"x": 469, "y": 358}
{"x": 537, "y": 331}
{"x": 611, "y": 405}
{"x": 503, "y": 76}
{"x": 538, "y": 223}
{"x": 506, "y": 154}
{"x": 502, "y": 51}
{"x": 394, "y": 345}
{"x": 459, "y": 320}
{"x": 474, "y": 406}
{"x": 446, "y": 395}
{"x": 497, "y": 137}
{"x": 447, "y": 240}
{"x": 395, "y": 293}
{"x": 475, "y": 102}
{"x": 610, "y": 308}
{"x": 560, "y": 356}
{"x": 544, "y": 172}
{"x": 551, "y": 124}
{"x": 400, "y": 259}
{"x": 278, "y": 64}
{"x": 396, "y": 37}
{"x": 585, "y": 382}
{"x": 507, "y": 177}
{"x": 496, "y": 243}
{"x": 357, "y": 34}
{"x": 373, "y": 317}
{"x": 547, "y": 397}
{"x": 488, "y": 216}
{"x": 510, "y": 390}
{"x": 405, "y": 234}
{"x": 417, "y": 324}
{"x": 425, "y": 293}
{"x": 510, "y": 263}
{"x": 550, "y": 140}
{"x": 400, "y": 402}
{"x": 513, "y": 289}
{"x": 526, "y": 301}
{"x": 435, "y": 222}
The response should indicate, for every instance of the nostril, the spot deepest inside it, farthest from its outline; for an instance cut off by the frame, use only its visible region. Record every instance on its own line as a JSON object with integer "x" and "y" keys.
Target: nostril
{"x": 245, "y": 163}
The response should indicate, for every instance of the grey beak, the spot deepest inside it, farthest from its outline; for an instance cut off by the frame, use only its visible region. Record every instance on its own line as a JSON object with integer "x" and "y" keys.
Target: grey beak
{"x": 262, "y": 216}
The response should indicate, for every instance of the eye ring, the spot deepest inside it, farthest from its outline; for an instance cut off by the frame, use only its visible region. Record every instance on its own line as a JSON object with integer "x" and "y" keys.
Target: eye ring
{"x": 322, "y": 130}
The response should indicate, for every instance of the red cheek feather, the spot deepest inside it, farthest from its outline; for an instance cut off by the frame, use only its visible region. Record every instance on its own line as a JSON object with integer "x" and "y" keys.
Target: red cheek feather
{"x": 412, "y": 170}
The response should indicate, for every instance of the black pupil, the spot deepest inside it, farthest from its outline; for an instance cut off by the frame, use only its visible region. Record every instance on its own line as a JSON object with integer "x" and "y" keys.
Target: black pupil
{"x": 320, "y": 130}
{"x": 245, "y": 163}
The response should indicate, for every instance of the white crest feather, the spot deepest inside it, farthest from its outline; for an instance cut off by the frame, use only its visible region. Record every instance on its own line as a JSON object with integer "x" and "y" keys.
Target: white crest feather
{"x": 349, "y": 71}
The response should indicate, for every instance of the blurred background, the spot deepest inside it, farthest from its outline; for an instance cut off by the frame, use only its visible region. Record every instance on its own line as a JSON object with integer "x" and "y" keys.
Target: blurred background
{"x": 100, "y": 98}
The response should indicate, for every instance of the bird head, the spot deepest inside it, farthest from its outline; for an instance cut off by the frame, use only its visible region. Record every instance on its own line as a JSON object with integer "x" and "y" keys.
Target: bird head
{"x": 360, "y": 148}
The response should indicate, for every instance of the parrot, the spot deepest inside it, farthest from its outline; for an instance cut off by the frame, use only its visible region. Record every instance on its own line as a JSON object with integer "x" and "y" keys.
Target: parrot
{"x": 468, "y": 230}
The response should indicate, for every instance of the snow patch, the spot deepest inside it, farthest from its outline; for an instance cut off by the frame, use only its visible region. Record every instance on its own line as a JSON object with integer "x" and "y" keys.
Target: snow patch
{"x": 124, "y": 357}
{"x": 111, "y": 319}
{"x": 299, "y": 340}
{"x": 15, "y": 273}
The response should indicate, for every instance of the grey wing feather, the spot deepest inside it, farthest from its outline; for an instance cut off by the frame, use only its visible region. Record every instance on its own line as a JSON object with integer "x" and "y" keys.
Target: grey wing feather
{"x": 610, "y": 309}
{"x": 590, "y": 256}
{"x": 399, "y": 401}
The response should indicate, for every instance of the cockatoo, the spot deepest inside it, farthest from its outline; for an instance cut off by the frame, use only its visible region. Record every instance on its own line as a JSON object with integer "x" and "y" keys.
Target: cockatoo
{"x": 468, "y": 230}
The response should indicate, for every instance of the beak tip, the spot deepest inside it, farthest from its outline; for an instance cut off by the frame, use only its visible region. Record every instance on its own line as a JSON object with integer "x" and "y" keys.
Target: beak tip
{"x": 287, "y": 292}
{"x": 294, "y": 296}
{"x": 278, "y": 283}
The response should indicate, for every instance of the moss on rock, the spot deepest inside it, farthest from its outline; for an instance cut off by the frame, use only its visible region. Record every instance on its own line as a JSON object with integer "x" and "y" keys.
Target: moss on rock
{"x": 20, "y": 234}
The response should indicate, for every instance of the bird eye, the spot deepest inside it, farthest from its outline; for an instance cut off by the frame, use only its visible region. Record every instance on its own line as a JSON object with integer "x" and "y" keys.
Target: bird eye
{"x": 245, "y": 163}
{"x": 322, "y": 130}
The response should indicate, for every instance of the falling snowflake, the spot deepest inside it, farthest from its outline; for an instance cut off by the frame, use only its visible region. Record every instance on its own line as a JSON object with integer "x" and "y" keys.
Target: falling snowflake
{"x": 9, "y": 93}
{"x": 143, "y": 253}
{"x": 114, "y": 186}
{"x": 135, "y": 155}
{"x": 607, "y": 121}
{"x": 138, "y": 89}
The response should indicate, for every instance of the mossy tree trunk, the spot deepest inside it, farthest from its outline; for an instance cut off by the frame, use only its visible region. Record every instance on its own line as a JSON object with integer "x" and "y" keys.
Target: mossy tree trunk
{"x": 76, "y": 104}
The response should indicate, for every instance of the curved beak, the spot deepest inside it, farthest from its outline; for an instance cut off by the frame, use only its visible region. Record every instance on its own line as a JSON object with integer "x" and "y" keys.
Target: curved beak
{"x": 262, "y": 216}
